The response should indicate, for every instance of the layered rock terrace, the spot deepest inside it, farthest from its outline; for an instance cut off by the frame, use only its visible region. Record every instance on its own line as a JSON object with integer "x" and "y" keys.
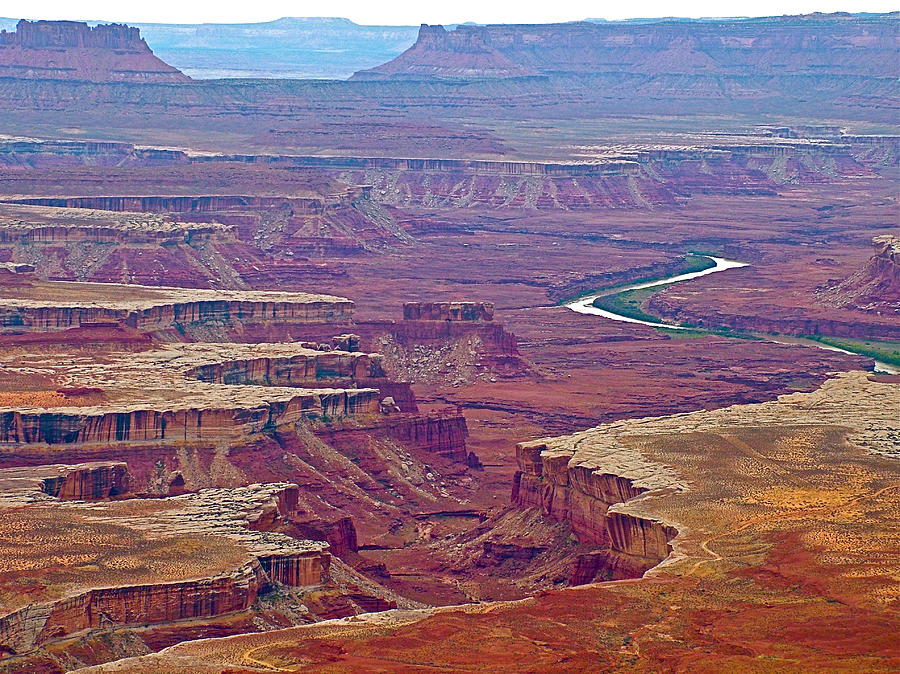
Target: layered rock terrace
{"x": 62, "y": 305}
{"x": 189, "y": 392}
{"x": 193, "y": 556}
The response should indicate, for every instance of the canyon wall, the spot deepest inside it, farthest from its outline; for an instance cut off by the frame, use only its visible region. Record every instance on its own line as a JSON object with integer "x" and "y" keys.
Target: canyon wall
{"x": 89, "y": 482}
{"x": 184, "y": 425}
{"x": 165, "y": 315}
{"x": 586, "y": 499}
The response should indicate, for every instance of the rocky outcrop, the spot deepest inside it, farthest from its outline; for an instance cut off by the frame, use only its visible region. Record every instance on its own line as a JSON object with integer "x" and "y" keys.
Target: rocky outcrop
{"x": 587, "y": 499}
{"x": 875, "y": 287}
{"x": 70, "y": 50}
{"x": 448, "y": 311}
{"x": 89, "y": 482}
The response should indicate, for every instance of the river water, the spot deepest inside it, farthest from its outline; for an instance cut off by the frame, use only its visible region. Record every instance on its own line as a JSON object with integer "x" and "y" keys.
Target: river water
{"x": 585, "y": 305}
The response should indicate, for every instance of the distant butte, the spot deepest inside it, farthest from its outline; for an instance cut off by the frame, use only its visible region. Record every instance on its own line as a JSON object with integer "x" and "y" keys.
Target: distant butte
{"x": 71, "y": 50}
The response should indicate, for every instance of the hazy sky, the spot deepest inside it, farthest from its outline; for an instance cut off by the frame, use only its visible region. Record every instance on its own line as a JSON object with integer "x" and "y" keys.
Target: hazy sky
{"x": 414, "y": 12}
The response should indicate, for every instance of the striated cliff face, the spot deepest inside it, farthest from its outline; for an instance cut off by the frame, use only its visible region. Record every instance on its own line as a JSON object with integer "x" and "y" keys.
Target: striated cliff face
{"x": 70, "y": 50}
{"x": 89, "y": 482}
{"x": 160, "y": 308}
{"x": 306, "y": 368}
{"x": 586, "y": 498}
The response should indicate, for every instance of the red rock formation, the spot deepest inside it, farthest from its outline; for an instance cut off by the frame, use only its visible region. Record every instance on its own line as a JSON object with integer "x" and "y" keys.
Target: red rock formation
{"x": 69, "y": 50}
{"x": 584, "y": 498}
{"x": 875, "y": 287}
{"x": 89, "y": 482}
{"x": 448, "y": 311}
{"x": 185, "y": 425}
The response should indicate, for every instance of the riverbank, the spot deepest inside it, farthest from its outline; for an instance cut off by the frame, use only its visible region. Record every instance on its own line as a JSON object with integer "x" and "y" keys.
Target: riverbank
{"x": 625, "y": 304}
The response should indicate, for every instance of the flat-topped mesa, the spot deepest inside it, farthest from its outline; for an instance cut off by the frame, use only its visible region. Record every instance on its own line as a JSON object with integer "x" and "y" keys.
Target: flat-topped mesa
{"x": 72, "y": 50}
{"x": 62, "y": 34}
{"x": 474, "y": 312}
{"x": 59, "y": 306}
{"x": 453, "y": 54}
{"x": 827, "y": 44}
